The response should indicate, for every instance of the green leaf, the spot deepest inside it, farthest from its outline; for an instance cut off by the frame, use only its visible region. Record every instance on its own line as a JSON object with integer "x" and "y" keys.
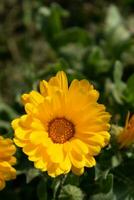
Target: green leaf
{"x": 56, "y": 13}
{"x": 56, "y": 185}
{"x": 42, "y": 190}
{"x": 71, "y": 192}
{"x": 45, "y": 11}
{"x": 4, "y": 124}
{"x": 129, "y": 92}
{"x": 114, "y": 26}
{"x": 105, "y": 192}
{"x": 61, "y": 65}
{"x": 49, "y": 20}
{"x": 27, "y": 16}
{"x": 31, "y": 174}
{"x": 113, "y": 18}
{"x": 124, "y": 179}
{"x": 118, "y": 85}
{"x": 107, "y": 184}
{"x": 96, "y": 61}
{"x": 72, "y": 179}
{"x": 100, "y": 196}
{"x": 121, "y": 34}
{"x": 118, "y": 72}
{"x": 6, "y": 108}
{"x": 116, "y": 31}
{"x": 70, "y": 35}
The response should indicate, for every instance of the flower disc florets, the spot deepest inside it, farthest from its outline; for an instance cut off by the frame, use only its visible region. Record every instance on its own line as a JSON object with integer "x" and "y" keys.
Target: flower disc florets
{"x": 60, "y": 130}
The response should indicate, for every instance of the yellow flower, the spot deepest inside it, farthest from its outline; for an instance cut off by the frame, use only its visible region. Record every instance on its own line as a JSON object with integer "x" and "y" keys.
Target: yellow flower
{"x": 7, "y": 172}
{"x": 64, "y": 127}
{"x": 126, "y": 137}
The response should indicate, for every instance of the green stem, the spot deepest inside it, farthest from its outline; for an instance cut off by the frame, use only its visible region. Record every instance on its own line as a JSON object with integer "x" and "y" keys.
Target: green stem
{"x": 59, "y": 186}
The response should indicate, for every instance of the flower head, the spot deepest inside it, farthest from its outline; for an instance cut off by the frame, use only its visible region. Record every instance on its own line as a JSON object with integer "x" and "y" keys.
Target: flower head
{"x": 64, "y": 127}
{"x": 7, "y": 172}
{"x": 126, "y": 136}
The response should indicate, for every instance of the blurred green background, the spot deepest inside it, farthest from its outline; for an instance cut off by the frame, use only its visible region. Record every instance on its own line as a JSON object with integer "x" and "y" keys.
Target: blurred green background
{"x": 91, "y": 39}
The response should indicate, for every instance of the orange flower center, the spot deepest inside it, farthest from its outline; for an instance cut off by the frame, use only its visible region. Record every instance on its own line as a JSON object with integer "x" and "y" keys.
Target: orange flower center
{"x": 60, "y": 130}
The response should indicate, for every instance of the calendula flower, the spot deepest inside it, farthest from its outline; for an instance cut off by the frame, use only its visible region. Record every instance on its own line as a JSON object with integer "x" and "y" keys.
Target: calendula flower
{"x": 126, "y": 136}
{"x": 64, "y": 127}
{"x": 7, "y": 172}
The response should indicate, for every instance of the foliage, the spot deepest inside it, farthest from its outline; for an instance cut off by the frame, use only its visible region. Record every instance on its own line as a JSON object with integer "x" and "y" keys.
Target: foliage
{"x": 86, "y": 39}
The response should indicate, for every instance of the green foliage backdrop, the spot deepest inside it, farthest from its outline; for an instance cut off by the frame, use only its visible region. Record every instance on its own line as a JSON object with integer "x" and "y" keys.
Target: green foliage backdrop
{"x": 86, "y": 39}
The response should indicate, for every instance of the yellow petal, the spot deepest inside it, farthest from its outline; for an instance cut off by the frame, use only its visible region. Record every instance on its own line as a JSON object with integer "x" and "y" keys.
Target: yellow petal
{"x": 54, "y": 170}
{"x": 44, "y": 88}
{"x": 79, "y": 146}
{"x": 55, "y": 151}
{"x": 18, "y": 142}
{"x": 60, "y": 80}
{"x": 39, "y": 137}
{"x": 40, "y": 165}
{"x": 66, "y": 164}
{"x": 33, "y": 97}
{"x": 76, "y": 159}
{"x": 78, "y": 171}
{"x": 89, "y": 161}
{"x": 88, "y": 88}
